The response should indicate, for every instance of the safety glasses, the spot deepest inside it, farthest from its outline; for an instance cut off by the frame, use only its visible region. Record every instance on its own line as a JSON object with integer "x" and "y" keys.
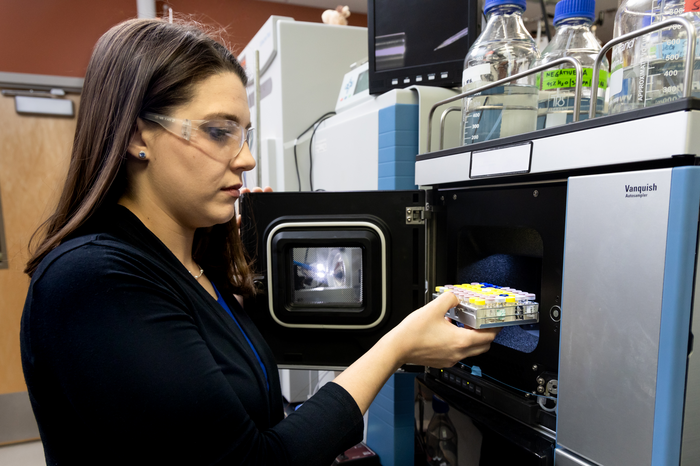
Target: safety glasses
{"x": 222, "y": 139}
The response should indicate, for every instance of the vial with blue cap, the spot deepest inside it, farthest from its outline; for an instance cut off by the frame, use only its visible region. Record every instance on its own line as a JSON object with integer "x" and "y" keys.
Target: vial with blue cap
{"x": 649, "y": 70}
{"x": 504, "y": 48}
{"x": 573, "y": 38}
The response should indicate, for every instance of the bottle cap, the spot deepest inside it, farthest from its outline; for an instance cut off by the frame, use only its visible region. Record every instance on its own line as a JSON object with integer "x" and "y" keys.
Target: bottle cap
{"x": 440, "y": 406}
{"x": 566, "y": 9}
{"x": 489, "y": 4}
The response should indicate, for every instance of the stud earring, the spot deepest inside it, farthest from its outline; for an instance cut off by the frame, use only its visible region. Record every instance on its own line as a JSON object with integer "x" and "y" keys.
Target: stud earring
{"x": 142, "y": 155}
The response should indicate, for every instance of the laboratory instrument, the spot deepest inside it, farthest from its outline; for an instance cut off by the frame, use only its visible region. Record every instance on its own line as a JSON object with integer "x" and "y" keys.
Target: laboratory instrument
{"x": 608, "y": 374}
{"x": 300, "y": 70}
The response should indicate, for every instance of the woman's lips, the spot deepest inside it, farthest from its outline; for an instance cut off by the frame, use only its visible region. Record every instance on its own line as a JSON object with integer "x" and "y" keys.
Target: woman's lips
{"x": 233, "y": 190}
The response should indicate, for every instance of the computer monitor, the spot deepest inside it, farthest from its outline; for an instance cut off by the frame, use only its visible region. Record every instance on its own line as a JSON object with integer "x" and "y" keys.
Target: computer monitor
{"x": 419, "y": 42}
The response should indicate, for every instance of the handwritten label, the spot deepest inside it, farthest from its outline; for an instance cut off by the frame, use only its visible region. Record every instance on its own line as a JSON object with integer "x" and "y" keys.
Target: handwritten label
{"x": 692, "y": 5}
{"x": 566, "y": 78}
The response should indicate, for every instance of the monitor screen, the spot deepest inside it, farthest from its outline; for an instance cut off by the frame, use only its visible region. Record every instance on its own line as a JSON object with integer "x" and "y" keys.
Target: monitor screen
{"x": 421, "y": 42}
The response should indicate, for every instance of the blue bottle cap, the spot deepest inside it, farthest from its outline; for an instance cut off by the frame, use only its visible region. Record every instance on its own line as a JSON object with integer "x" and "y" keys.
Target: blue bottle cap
{"x": 566, "y": 9}
{"x": 440, "y": 406}
{"x": 489, "y": 4}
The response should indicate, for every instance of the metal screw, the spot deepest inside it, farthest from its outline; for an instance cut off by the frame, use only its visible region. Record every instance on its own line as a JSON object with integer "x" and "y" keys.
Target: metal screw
{"x": 540, "y": 389}
{"x": 408, "y": 219}
{"x": 540, "y": 381}
{"x": 534, "y": 368}
{"x": 408, "y": 211}
{"x": 535, "y": 193}
{"x": 442, "y": 198}
{"x": 454, "y": 197}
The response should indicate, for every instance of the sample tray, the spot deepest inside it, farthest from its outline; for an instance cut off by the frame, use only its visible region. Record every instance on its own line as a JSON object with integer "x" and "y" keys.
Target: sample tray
{"x": 495, "y": 317}
{"x": 485, "y": 305}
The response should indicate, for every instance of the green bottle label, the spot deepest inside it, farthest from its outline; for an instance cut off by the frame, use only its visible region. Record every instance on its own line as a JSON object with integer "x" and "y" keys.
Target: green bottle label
{"x": 566, "y": 78}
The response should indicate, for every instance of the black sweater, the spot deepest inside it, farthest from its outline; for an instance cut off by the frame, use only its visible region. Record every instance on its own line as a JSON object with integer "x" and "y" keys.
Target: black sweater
{"x": 128, "y": 360}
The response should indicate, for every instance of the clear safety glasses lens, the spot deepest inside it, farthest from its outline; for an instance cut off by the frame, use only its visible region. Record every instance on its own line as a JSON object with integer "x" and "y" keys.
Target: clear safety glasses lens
{"x": 219, "y": 138}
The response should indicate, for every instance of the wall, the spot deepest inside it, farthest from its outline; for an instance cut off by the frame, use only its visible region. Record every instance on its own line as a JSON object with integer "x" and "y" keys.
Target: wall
{"x": 56, "y": 37}
{"x": 243, "y": 18}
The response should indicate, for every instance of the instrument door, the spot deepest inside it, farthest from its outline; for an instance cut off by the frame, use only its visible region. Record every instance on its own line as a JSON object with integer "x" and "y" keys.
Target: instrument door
{"x": 335, "y": 270}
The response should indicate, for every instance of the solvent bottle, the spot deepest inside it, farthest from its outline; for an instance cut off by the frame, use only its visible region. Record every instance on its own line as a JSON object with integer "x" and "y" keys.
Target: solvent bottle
{"x": 442, "y": 436}
{"x": 503, "y": 49}
{"x": 649, "y": 70}
{"x": 573, "y": 38}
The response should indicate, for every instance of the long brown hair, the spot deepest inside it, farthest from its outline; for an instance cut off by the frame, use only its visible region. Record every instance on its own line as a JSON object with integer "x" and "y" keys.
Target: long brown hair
{"x": 138, "y": 66}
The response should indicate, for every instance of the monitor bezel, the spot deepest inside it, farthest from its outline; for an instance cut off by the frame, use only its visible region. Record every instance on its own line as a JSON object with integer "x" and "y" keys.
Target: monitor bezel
{"x": 383, "y": 81}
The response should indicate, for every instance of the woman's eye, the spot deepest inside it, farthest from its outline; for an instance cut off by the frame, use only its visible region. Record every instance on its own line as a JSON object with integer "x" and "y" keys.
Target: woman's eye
{"x": 217, "y": 134}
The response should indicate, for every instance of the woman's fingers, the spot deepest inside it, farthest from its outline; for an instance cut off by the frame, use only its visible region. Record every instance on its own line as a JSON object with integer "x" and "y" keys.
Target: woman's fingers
{"x": 256, "y": 189}
{"x": 443, "y": 303}
{"x": 466, "y": 344}
{"x": 476, "y": 348}
{"x": 425, "y": 337}
{"x": 481, "y": 336}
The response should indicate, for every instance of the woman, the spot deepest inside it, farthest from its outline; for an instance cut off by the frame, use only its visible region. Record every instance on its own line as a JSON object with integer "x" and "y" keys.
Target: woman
{"x": 133, "y": 346}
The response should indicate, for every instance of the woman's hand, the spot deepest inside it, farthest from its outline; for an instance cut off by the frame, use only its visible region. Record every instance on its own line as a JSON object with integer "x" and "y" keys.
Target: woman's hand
{"x": 425, "y": 337}
{"x": 256, "y": 189}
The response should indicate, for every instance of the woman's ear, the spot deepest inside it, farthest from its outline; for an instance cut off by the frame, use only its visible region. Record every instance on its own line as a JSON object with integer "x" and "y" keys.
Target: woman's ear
{"x": 137, "y": 145}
